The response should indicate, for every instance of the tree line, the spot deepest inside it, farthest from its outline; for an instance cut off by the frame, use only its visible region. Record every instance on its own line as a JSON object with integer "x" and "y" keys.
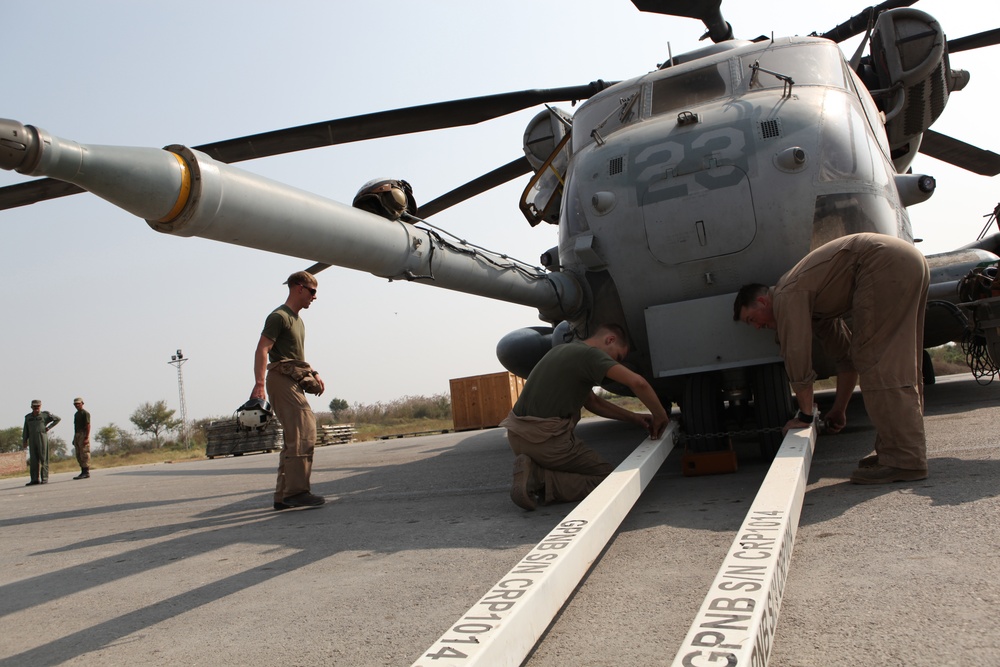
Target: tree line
{"x": 153, "y": 422}
{"x": 149, "y": 419}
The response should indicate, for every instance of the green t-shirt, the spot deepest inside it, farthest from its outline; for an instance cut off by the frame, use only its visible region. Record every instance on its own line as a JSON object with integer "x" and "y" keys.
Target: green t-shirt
{"x": 288, "y": 332}
{"x": 81, "y": 420}
{"x": 559, "y": 383}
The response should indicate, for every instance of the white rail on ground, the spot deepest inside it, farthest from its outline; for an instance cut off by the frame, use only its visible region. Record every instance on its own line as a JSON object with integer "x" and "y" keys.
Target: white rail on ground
{"x": 508, "y": 620}
{"x": 735, "y": 625}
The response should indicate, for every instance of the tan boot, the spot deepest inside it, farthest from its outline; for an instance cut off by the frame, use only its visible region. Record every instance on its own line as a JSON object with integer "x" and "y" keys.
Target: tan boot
{"x": 868, "y": 461}
{"x": 522, "y": 489}
{"x": 880, "y": 474}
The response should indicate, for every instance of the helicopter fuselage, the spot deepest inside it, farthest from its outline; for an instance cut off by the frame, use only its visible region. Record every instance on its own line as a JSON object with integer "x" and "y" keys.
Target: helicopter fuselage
{"x": 690, "y": 181}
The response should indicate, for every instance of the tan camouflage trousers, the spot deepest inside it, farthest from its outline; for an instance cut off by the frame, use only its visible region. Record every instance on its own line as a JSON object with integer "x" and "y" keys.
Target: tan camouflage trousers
{"x": 81, "y": 443}
{"x": 299, "y": 425}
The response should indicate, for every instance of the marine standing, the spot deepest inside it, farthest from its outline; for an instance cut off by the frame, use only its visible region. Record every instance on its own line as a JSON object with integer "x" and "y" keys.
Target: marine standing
{"x": 35, "y": 439}
{"x": 282, "y": 343}
{"x": 81, "y": 438}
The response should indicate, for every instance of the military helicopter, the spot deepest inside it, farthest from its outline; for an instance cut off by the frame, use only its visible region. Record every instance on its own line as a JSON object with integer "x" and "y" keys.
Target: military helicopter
{"x": 664, "y": 187}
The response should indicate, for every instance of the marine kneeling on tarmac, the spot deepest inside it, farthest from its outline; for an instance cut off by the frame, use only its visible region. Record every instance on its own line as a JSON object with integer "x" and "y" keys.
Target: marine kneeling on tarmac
{"x": 551, "y": 465}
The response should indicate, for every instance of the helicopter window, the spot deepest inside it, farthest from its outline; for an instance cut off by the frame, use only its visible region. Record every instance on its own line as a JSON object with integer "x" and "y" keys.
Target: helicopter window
{"x": 600, "y": 117}
{"x": 804, "y": 64}
{"x": 681, "y": 91}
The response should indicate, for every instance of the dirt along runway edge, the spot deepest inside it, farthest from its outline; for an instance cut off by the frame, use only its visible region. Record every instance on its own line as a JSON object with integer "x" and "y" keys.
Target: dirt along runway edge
{"x": 186, "y": 563}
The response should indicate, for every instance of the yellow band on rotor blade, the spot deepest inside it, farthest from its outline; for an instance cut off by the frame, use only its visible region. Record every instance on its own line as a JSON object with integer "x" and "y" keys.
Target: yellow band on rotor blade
{"x": 185, "y": 191}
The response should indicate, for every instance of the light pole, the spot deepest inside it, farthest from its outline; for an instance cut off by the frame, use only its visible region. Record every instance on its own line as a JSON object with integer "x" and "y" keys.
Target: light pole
{"x": 178, "y": 361}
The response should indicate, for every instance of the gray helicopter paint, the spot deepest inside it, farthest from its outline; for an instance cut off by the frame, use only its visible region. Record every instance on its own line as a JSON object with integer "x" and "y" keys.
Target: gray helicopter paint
{"x": 184, "y": 192}
{"x": 717, "y": 207}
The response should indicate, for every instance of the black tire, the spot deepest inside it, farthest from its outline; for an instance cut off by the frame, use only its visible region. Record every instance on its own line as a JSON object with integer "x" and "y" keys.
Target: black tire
{"x": 927, "y": 369}
{"x": 772, "y": 405}
{"x": 702, "y": 408}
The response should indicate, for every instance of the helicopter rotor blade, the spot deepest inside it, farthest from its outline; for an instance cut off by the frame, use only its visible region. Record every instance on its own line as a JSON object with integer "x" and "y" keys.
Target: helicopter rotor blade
{"x": 859, "y": 23}
{"x": 32, "y": 192}
{"x": 707, "y": 11}
{"x": 948, "y": 149}
{"x": 408, "y": 120}
{"x": 497, "y": 177}
{"x": 436, "y": 116}
{"x": 977, "y": 41}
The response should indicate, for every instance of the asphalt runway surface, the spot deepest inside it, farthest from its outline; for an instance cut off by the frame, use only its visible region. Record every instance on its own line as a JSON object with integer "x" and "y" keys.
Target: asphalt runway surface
{"x": 187, "y": 564}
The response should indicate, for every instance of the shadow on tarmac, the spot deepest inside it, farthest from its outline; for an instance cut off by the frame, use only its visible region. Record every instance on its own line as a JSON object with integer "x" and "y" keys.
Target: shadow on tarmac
{"x": 452, "y": 496}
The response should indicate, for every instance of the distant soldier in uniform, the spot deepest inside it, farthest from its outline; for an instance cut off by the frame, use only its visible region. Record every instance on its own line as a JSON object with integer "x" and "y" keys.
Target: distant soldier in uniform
{"x": 551, "y": 465}
{"x": 81, "y": 438}
{"x": 34, "y": 435}
{"x": 282, "y": 343}
{"x": 881, "y": 282}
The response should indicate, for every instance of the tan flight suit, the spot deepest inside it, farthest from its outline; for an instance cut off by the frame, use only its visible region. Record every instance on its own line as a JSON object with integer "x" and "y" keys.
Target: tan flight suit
{"x": 881, "y": 282}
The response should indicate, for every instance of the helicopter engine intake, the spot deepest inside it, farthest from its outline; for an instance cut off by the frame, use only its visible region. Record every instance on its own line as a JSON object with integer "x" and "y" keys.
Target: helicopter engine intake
{"x": 910, "y": 61}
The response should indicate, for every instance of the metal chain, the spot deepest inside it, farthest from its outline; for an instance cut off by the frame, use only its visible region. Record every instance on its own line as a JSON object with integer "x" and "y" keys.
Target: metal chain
{"x": 682, "y": 437}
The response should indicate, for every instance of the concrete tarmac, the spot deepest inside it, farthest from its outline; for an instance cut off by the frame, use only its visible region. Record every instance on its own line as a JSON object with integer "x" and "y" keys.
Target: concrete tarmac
{"x": 187, "y": 564}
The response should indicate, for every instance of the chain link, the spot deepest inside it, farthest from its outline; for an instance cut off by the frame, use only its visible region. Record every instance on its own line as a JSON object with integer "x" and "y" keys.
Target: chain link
{"x": 684, "y": 437}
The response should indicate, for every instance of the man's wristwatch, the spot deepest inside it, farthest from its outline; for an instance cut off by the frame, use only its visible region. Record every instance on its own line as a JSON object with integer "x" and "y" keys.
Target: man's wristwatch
{"x": 803, "y": 417}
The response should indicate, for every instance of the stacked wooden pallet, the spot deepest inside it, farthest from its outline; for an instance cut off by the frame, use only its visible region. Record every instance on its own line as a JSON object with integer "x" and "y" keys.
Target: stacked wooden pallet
{"x": 334, "y": 434}
{"x": 226, "y": 438}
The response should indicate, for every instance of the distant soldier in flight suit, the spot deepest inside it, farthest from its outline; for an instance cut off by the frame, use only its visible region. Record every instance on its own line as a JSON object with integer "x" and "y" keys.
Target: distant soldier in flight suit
{"x": 34, "y": 435}
{"x": 881, "y": 281}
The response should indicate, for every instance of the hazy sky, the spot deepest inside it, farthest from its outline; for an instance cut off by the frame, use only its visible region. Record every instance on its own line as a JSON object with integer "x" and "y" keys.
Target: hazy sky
{"x": 95, "y": 302}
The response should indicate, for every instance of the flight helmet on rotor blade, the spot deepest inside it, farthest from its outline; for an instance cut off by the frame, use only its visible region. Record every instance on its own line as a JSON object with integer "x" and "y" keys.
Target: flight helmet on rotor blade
{"x": 254, "y": 414}
{"x": 387, "y": 197}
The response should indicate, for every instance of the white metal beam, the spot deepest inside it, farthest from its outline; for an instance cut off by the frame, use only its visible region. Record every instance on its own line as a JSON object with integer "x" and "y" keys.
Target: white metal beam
{"x": 735, "y": 625}
{"x": 509, "y": 619}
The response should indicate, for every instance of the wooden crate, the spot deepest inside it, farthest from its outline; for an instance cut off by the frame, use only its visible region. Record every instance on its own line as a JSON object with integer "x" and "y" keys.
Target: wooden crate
{"x": 482, "y": 401}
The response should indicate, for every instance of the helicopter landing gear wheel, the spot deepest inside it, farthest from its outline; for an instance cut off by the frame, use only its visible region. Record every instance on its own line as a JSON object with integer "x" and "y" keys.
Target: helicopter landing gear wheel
{"x": 702, "y": 408}
{"x": 772, "y": 405}
{"x": 927, "y": 369}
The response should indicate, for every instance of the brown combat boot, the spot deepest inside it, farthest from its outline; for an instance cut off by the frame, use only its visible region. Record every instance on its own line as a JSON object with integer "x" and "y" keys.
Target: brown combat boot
{"x": 868, "y": 461}
{"x": 880, "y": 474}
{"x": 525, "y": 483}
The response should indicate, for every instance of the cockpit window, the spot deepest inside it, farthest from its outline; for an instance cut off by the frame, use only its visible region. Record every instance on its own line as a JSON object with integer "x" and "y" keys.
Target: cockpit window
{"x": 805, "y": 64}
{"x": 679, "y": 92}
{"x": 600, "y": 117}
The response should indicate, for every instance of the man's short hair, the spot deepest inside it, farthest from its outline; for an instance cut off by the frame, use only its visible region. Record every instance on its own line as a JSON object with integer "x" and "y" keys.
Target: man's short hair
{"x": 302, "y": 278}
{"x": 616, "y": 330}
{"x": 612, "y": 328}
{"x": 746, "y": 296}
